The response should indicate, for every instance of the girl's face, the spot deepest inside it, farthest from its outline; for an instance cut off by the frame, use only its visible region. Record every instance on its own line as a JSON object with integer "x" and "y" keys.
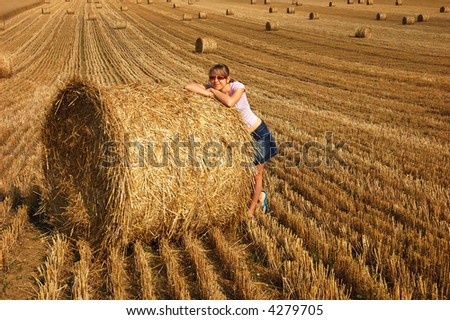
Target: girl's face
{"x": 218, "y": 79}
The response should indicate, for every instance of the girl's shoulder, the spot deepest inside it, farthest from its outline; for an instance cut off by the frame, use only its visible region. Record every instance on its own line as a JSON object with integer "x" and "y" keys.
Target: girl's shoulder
{"x": 236, "y": 85}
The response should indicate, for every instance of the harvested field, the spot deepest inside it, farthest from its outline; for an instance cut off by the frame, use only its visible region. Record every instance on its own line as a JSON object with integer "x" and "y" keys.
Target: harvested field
{"x": 359, "y": 193}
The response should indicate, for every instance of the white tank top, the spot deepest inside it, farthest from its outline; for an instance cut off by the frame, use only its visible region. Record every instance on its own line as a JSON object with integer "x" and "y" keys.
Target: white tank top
{"x": 242, "y": 105}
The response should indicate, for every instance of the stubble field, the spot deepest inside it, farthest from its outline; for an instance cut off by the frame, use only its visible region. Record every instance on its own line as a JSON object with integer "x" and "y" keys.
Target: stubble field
{"x": 359, "y": 194}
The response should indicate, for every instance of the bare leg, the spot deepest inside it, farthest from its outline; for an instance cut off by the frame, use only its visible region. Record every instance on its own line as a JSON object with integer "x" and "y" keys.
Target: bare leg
{"x": 257, "y": 191}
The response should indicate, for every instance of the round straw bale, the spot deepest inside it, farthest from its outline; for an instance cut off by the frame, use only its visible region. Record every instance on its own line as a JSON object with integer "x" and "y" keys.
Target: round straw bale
{"x": 423, "y": 18}
{"x": 298, "y": 3}
{"x": 331, "y": 4}
{"x": 381, "y": 16}
{"x": 408, "y": 20}
{"x": 176, "y": 5}
{"x": 369, "y": 2}
{"x": 444, "y": 9}
{"x": 273, "y": 10}
{"x": 149, "y": 1}
{"x": 290, "y": 10}
{"x": 5, "y": 65}
{"x": 89, "y": 1}
{"x": 361, "y": 1}
{"x": 272, "y": 26}
{"x": 45, "y": 11}
{"x": 138, "y": 1}
{"x": 120, "y": 24}
{"x": 123, "y": 8}
{"x": 92, "y": 16}
{"x": 313, "y": 15}
{"x": 205, "y": 45}
{"x": 140, "y": 162}
{"x": 252, "y": 1}
{"x": 187, "y": 17}
{"x": 350, "y": 2}
{"x": 266, "y": 1}
{"x": 46, "y": 1}
{"x": 363, "y": 32}
{"x": 230, "y": 12}
{"x": 70, "y": 11}
{"x": 169, "y": 0}
{"x": 202, "y": 15}
{"x": 98, "y": 6}
{"x": 190, "y": 1}
{"x": 399, "y": 2}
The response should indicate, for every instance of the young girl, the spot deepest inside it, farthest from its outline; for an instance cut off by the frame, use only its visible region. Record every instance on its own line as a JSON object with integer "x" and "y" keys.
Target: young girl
{"x": 232, "y": 94}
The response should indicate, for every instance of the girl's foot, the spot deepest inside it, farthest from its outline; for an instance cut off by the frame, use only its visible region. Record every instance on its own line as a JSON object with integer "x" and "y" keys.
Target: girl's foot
{"x": 263, "y": 199}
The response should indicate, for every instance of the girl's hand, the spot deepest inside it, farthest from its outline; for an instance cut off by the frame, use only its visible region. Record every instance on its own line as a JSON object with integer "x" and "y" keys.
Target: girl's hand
{"x": 198, "y": 88}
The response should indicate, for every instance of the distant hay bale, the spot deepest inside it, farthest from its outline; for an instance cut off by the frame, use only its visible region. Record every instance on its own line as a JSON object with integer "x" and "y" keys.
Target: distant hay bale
{"x": 123, "y": 8}
{"x": 369, "y": 2}
{"x": 149, "y": 1}
{"x": 205, "y": 45}
{"x": 298, "y": 3}
{"x": 176, "y": 5}
{"x": 70, "y": 11}
{"x": 229, "y": 12}
{"x": 273, "y": 10}
{"x": 350, "y": 2}
{"x": 202, "y": 15}
{"x": 408, "y": 20}
{"x": 272, "y": 26}
{"x": 399, "y": 2}
{"x": 361, "y": 1}
{"x": 129, "y": 163}
{"x": 120, "y": 24}
{"x": 92, "y": 16}
{"x": 363, "y": 32}
{"x": 423, "y": 18}
{"x": 98, "y": 6}
{"x": 169, "y": 0}
{"x": 5, "y": 65}
{"x": 313, "y": 16}
{"x": 290, "y": 10}
{"x": 266, "y": 1}
{"x": 46, "y": 1}
{"x": 138, "y": 1}
{"x": 89, "y": 1}
{"x": 45, "y": 11}
{"x": 381, "y": 16}
{"x": 190, "y": 1}
{"x": 444, "y": 9}
{"x": 252, "y": 1}
{"x": 331, "y": 4}
{"x": 187, "y": 17}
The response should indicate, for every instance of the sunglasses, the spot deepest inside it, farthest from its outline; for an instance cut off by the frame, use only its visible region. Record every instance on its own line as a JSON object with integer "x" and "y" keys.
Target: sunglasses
{"x": 220, "y": 78}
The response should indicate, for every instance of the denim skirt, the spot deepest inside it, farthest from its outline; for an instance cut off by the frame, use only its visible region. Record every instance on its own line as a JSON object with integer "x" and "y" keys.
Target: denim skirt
{"x": 265, "y": 146}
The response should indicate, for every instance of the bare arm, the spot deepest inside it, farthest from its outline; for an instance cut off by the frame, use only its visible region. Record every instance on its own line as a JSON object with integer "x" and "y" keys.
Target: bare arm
{"x": 227, "y": 100}
{"x": 198, "y": 88}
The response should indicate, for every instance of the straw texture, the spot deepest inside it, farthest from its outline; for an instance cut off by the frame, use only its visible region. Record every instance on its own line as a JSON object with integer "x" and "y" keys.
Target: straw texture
{"x": 130, "y": 162}
{"x": 5, "y": 65}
